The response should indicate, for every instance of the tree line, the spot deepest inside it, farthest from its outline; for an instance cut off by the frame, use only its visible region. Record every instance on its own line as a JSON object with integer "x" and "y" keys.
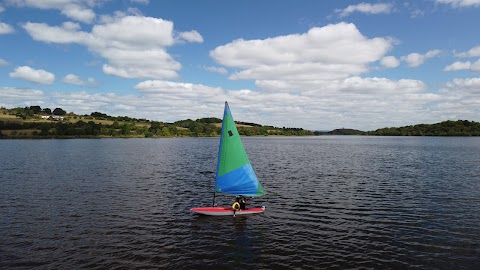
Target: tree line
{"x": 446, "y": 128}
{"x": 124, "y": 126}
{"x": 130, "y": 129}
{"x": 29, "y": 112}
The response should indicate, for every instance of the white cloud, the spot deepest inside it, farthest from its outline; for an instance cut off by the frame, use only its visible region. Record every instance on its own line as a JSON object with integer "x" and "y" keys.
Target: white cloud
{"x": 363, "y": 103}
{"x": 365, "y": 8}
{"x": 332, "y": 52}
{"x": 27, "y": 73}
{"x": 192, "y": 36}
{"x": 390, "y": 62}
{"x": 416, "y": 59}
{"x": 134, "y": 32}
{"x": 351, "y": 102}
{"x": 219, "y": 70}
{"x": 73, "y": 79}
{"x": 134, "y": 46}
{"x": 92, "y": 81}
{"x": 184, "y": 90}
{"x": 416, "y": 13}
{"x": 471, "y": 85}
{"x": 3, "y": 62}
{"x": 78, "y": 13}
{"x": 458, "y": 65}
{"x": 74, "y": 9}
{"x": 476, "y": 66}
{"x": 6, "y": 28}
{"x": 154, "y": 63}
{"x": 13, "y": 97}
{"x": 67, "y": 33}
{"x": 460, "y": 3}
{"x": 352, "y": 85}
{"x": 473, "y": 52}
{"x": 432, "y": 53}
{"x": 461, "y": 98}
{"x": 118, "y": 15}
{"x": 134, "y": 11}
{"x": 167, "y": 99}
{"x": 143, "y": 2}
{"x": 359, "y": 85}
{"x": 314, "y": 78}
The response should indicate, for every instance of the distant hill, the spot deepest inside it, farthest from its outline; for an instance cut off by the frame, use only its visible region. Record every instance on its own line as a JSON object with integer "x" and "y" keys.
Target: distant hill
{"x": 346, "y": 131}
{"x": 341, "y": 131}
{"x": 446, "y": 128}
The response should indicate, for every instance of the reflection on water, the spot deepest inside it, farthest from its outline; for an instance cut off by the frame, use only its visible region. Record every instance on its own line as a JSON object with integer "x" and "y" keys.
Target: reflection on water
{"x": 332, "y": 202}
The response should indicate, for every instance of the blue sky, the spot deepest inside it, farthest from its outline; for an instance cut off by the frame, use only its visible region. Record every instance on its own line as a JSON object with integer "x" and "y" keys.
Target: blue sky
{"x": 316, "y": 65}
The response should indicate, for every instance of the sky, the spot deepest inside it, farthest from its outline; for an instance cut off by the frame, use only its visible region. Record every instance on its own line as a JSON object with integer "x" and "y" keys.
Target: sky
{"x": 317, "y": 65}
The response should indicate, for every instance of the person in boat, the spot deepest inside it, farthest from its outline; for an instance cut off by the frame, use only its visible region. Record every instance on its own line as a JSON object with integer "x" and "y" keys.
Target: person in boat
{"x": 236, "y": 204}
{"x": 239, "y": 203}
{"x": 242, "y": 201}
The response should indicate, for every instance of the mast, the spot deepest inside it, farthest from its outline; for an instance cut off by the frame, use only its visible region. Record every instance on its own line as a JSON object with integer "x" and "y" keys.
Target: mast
{"x": 219, "y": 151}
{"x": 213, "y": 203}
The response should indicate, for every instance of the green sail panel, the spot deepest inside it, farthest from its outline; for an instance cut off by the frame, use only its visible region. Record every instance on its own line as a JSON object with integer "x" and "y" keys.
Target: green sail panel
{"x": 235, "y": 174}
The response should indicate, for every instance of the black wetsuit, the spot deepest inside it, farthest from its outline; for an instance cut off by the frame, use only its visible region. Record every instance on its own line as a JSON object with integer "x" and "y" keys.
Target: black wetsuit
{"x": 242, "y": 201}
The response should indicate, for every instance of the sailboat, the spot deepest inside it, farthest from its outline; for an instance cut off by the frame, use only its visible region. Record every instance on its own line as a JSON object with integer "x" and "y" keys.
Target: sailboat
{"x": 235, "y": 175}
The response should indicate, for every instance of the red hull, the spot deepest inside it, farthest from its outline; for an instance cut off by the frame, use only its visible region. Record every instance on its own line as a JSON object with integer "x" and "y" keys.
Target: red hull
{"x": 226, "y": 211}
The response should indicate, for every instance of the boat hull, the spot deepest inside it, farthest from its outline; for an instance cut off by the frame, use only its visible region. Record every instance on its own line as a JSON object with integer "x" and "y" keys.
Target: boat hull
{"x": 226, "y": 211}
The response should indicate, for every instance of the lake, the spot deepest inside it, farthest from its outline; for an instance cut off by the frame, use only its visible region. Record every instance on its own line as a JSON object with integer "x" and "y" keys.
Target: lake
{"x": 333, "y": 202}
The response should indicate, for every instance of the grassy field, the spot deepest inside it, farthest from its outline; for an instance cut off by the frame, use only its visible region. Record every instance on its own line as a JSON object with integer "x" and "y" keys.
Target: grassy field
{"x": 68, "y": 119}
{"x": 7, "y": 117}
{"x": 75, "y": 118}
{"x": 139, "y": 130}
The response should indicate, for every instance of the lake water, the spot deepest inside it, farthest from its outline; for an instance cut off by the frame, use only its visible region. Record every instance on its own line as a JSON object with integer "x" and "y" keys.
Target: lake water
{"x": 333, "y": 202}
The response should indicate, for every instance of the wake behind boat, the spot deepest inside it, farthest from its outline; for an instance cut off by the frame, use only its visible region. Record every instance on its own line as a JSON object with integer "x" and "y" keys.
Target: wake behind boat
{"x": 235, "y": 174}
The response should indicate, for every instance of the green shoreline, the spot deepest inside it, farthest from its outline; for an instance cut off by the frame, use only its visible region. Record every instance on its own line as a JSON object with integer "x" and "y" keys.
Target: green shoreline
{"x": 31, "y": 123}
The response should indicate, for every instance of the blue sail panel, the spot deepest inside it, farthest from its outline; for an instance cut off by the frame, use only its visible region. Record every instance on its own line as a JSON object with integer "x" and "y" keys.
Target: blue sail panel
{"x": 241, "y": 181}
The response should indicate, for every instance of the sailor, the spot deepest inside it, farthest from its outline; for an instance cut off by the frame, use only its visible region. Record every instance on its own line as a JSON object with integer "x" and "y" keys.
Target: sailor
{"x": 236, "y": 205}
{"x": 242, "y": 201}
